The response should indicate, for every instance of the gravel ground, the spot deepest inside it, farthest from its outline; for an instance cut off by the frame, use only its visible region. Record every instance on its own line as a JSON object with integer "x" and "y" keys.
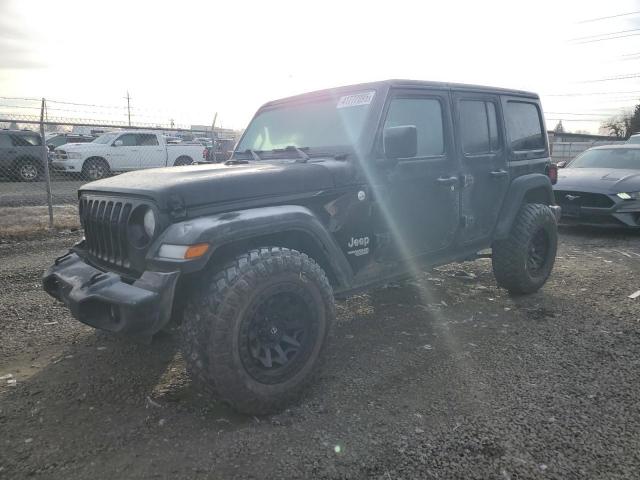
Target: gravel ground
{"x": 443, "y": 377}
{"x": 64, "y": 190}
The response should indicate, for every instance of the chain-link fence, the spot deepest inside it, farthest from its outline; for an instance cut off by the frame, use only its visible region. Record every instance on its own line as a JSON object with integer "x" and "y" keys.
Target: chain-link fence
{"x": 44, "y": 160}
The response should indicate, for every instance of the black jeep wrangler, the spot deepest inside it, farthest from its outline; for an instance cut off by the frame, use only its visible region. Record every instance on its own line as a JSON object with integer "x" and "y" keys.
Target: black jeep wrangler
{"x": 325, "y": 193}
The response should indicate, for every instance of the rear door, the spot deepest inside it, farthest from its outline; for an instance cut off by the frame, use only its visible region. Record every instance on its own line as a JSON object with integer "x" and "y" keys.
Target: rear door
{"x": 151, "y": 153}
{"x": 420, "y": 205}
{"x": 484, "y": 174}
{"x": 7, "y": 152}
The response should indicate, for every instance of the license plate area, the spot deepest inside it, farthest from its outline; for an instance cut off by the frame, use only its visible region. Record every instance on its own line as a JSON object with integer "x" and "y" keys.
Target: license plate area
{"x": 570, "y": 210}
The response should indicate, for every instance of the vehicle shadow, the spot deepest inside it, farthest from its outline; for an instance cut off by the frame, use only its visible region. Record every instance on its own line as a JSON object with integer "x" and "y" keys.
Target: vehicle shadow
{"x": 105, "y": 383}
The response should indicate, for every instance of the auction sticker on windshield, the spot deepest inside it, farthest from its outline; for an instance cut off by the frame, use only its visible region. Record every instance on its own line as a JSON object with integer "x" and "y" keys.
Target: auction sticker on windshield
{"x": 355, "y": 100}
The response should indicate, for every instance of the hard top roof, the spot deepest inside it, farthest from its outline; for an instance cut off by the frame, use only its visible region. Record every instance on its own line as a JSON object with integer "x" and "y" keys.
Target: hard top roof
{"x": 399, "y": 83}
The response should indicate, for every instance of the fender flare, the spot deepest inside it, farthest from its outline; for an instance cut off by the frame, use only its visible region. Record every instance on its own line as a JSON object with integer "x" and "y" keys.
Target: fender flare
{"x": 225, "y": 228}
{"x": 515, "y": 197}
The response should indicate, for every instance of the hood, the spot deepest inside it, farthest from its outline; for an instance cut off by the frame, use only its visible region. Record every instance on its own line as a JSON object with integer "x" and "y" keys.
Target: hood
{"x": 76, "y": 147}
{"x": 605, "y": 180}
{"x": 202, "y": 185}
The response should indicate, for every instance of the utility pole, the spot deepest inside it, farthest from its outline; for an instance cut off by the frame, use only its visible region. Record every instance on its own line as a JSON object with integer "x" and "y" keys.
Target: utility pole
{"x": 45, "y": 161}
{"x": 213, "y": 138}
{"x": 128, "y": 107}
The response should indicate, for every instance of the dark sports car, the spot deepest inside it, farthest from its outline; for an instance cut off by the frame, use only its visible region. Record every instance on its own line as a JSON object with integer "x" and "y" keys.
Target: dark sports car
{"x": 601, "y": 187}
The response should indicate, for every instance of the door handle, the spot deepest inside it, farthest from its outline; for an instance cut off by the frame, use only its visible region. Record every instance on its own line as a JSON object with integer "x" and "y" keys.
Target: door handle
{"x": 499, "y": 173}
{"x": 447, "y": 181}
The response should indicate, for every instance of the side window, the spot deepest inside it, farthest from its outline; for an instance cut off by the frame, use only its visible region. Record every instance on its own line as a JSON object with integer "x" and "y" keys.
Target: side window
{"x": 128, "y": 139}
{"x": 426, "y": 115}
{"x": 32, "y": 140}
{"x": 147, "y": 139}
{"x": 524, "y": 126}
{"x": 5, "y": 141}
{"x": 19, "y": 141}
{"x": 479, "y": 127}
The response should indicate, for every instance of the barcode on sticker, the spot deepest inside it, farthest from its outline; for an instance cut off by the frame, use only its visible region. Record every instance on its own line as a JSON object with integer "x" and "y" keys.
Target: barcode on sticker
{"x": 355, "y": 100}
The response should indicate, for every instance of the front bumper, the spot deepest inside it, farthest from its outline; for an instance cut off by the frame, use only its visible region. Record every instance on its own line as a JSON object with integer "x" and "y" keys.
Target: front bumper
{"x": 625, "y": 215}
{"x": 66, "y": 165}
{"x": 106, "y": 301}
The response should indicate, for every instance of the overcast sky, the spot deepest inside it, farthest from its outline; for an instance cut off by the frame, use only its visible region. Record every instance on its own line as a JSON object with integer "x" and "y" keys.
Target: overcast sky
{"x": 186, "y": 60}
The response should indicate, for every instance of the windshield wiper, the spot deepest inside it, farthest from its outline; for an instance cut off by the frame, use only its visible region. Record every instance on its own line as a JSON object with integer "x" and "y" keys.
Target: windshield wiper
{"x": 304, "y": 157}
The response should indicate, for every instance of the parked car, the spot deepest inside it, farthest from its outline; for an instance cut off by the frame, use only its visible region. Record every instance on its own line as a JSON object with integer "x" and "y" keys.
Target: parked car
{"x": 326, "y": 193}
{"x": 220, "y": 151}
{"x": 21, "y": 155}
{"x": 59, "y": 139}
{"x": 601, "y": 187}
{"x": 634, "y": 139}
{"x": 123, "y": 151}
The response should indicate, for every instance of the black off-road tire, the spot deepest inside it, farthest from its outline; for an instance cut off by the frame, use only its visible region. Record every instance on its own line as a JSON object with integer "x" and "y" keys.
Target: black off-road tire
{"x": 513, "y": 257}
{"x": 215, "y": 326}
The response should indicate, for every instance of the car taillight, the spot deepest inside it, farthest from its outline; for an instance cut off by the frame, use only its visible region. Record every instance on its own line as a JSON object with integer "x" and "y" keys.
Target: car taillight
{"x": 204, "y": 154}
{"x": 552, "y": 173}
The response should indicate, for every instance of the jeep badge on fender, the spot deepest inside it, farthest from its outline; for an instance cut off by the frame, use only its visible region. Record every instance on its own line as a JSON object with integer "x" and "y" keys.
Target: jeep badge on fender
{"x": 248, "y": 255}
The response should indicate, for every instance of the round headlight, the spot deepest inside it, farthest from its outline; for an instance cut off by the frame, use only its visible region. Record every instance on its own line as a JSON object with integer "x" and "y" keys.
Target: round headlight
{"x": 149, "y": 222}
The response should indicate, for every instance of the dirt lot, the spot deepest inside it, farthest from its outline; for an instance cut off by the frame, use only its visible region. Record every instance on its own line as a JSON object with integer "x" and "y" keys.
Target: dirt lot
{"x": 443, "y": 377}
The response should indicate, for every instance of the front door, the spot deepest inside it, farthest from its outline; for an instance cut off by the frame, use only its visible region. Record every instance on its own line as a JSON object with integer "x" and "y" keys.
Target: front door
{"x": 418, "y": 204}
{"x": 125, "y": 156}
{"x": 481, "y": 150}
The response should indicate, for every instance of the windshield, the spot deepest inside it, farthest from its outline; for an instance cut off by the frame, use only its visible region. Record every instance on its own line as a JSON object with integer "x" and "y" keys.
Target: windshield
{"x": 106, "y": 138}
{"x": 623, "y": 158}
{"x": 331, "y": 122}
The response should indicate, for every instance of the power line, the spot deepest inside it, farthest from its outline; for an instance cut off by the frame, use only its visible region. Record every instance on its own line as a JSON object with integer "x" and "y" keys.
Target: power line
{"x": 22, "y": 98}
{"x": 571, "y": 113}
{"x": 604, "y": 34}
{"x": 592, "y": 120}
{"x": 607, "y": 38}
{"x": 597, "y": 19}
{"x": 608, "y": 79}
{"x": 587, "y": 94}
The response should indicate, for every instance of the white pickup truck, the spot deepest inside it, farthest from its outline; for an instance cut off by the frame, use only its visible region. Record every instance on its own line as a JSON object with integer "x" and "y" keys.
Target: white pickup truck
{"x": 123, "y": 151}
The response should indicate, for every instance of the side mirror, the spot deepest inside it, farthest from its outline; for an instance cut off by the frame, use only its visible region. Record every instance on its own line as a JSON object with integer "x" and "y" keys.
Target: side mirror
{"x": 400, "y": 142}
{"x": 117, "y": 143}
{"x": 561, "y": 164}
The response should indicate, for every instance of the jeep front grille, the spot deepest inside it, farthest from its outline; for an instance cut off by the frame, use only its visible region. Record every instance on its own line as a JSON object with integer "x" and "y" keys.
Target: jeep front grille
{"x": 583, "y": 199}
{"x": 105, "y": 229}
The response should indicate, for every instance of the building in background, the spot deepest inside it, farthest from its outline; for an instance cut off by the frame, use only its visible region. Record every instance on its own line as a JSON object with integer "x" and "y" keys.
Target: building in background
{"x": 566, "y": 146}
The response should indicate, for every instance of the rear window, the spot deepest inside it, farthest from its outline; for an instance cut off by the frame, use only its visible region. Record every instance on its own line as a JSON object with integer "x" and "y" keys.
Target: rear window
{"x": 147, "y": 139}
{"x": 26, "y": 140}
{"x": 479, "y": 127}
{"x": 524, "y": 126}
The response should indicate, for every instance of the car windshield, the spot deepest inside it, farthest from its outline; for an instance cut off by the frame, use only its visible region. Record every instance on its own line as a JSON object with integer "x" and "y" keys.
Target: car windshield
{"x": 106, "y": 138}
{"x": 330, "y": 122}
{"x": 623, "y": 158}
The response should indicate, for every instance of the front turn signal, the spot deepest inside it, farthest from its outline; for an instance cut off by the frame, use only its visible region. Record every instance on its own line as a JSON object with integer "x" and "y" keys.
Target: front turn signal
{"x": 197, "y": 250}
{"x": 183, "y": 252}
